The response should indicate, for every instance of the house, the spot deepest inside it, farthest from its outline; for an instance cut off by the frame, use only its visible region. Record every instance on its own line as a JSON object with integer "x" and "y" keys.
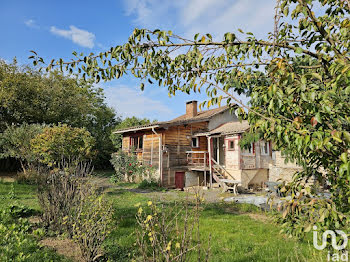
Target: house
{"x": 199, "y": 148}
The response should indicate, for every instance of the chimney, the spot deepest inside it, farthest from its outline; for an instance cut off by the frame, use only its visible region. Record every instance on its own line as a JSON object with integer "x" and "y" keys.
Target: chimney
{"x": 191, "y": 108}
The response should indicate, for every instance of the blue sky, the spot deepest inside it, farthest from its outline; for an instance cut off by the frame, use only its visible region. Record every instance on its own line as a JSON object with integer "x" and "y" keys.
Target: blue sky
{"x": 57, "y": 28}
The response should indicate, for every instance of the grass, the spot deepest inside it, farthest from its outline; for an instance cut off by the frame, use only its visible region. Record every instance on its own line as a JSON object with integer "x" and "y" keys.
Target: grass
{"x": 13, "y": 192}
{"x": 239, "y": 232}
{"x": 236, "y": 235}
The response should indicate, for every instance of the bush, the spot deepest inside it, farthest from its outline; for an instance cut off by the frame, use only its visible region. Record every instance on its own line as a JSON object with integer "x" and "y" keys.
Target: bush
{"x": 170, "y": 234}
{"x": 15, "y": 142}
{"x": 60, "y": 190}
{"x": 91, "y": 223}
{"x": 128, "y": 168}
{"x": 17, "y": 243}
{"x": 71, "y": 205}
{"x": 150, "y": 184}
{"x": 62, "y": 142}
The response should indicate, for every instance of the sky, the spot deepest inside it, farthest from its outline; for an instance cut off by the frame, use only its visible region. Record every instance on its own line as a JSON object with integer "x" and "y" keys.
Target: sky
{"x": 54, "y": 29}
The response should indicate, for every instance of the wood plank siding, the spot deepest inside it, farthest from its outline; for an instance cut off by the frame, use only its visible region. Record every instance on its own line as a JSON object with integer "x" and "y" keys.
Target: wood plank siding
{"x": 176, "y": 141}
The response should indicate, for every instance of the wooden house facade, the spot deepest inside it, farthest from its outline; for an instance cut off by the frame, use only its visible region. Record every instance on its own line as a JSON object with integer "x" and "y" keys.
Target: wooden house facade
{"x": 199, "y": 148}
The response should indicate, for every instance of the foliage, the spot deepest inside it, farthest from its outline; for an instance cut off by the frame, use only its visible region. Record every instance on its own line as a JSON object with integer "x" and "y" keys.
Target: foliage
{"x": 28, "y": 96}
{"x": 297, "y": 79}
{"x": 17, "y": 243}
{"x": 127, "y": 122}
{"x": 91, "y": 224}
{"x": 15, "y": 142}
{"x": 62, "y": 142}
{"x": 170, "y": 234}
{"x": 151, "y": 185}
{"x": 249, "y": 138}
{"x": 128, "y": 168}
{"x": 245, "y": 232}
{"x": 59, "y": 191}
{"x": 71, "y": 205}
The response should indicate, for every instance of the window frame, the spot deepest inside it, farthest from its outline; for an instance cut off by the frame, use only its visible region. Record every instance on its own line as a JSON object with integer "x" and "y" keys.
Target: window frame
{"x": 197, "y": 142}
{"x": 251, "y": 151}
{"x": 266, "y": 145}
{"x": 136, "y": 139}
{"x": 229, "y": 148}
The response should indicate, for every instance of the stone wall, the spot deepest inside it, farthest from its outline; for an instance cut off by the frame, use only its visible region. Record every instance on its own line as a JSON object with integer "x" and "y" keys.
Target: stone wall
{"x": 282, "y": 171}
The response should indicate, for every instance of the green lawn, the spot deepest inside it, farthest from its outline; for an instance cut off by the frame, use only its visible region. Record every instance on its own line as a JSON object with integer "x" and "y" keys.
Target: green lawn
{"x": 239, "y": 232}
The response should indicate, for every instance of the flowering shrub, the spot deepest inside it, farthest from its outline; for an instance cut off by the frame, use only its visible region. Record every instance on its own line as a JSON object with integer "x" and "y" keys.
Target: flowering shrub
{"x": 128, "y": 168}
{"x": 170, "y": 234}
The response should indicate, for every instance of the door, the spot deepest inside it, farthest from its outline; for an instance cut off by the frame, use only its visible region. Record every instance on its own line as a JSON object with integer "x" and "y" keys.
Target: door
{"x": 180, "y": 180}
{"x": 221, "y": 151}
{"x": 215, "y": 148}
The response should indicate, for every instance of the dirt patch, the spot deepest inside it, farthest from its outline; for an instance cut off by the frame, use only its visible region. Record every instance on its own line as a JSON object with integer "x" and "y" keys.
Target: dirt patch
{"x": 260, "y": 217}
{"x": 64, "y": 247}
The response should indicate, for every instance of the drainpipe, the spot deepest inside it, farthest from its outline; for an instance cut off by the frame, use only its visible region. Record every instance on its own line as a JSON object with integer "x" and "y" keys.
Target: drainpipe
{"x": 210, "y": 163}
{"x": 160, "y": 156}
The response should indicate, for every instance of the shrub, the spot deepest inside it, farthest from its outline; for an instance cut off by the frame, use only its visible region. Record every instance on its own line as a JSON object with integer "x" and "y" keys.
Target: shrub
{"x": 91, "y": 223}
{"x": 15, "y": 142}
{"x": 71, "y": 205}
{"x": 17, "y": 243}
{"x": 150, "y": 184}
{"x": 129, "y": 169}
{"x": 170, "y": 234}
{"x": 62, "y": 142}
{"x": 60, "y": 190}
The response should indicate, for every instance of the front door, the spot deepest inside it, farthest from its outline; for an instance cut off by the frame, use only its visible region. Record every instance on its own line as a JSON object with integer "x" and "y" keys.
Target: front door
{"x": 180, "y": 180}
{"x": 219, "y": 150}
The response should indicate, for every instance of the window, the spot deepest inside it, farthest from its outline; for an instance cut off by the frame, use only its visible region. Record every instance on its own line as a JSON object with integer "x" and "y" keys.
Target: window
{"x": 231, "y": 145}
{"x": 265, "y": 148}
{"x": 195, "y": 142}
{"x": 136, "y": 142}
{"x": 248, "y": 150}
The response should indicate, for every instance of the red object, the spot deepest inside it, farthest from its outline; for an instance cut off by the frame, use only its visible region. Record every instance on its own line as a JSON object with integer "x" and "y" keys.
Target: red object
{"x": 180, "y": 180}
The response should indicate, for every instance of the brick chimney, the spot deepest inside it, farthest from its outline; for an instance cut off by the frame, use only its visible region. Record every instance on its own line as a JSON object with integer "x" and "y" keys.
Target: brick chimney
{"x": 191, "y": 108}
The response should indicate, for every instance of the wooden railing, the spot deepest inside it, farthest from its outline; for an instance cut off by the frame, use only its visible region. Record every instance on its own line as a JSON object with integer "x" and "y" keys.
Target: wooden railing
{"x": 197, "y": 158}
{"x": 221, "y": 170}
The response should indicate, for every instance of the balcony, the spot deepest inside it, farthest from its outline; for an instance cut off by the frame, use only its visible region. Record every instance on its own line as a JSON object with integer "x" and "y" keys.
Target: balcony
{"x": 198, "y": 160}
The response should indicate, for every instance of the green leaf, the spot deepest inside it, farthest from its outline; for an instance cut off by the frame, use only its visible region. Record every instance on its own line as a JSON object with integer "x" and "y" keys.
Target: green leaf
{"x": 318, "y": 117}
{"x": 344, "y": 157}
{"x": 299, "y": 50}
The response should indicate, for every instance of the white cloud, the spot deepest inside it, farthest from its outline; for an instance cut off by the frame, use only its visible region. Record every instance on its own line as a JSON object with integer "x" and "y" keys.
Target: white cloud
{"x": 78, "y": 36}
{"x": 31, "y": 23}
{"x": 204, "y": 16}
{"x": 133, "y": 102}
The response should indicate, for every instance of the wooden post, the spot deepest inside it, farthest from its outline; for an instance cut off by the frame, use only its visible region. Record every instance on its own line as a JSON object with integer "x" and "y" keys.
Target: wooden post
{"x": 218, "y": 149}
{"x": 210, "y": 163}
{"x": 205, "y": 169}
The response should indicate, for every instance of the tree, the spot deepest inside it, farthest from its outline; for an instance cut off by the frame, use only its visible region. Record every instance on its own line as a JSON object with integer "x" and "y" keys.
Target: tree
{"x": 15, "y": 142}
{"x": 28, "y": 96}
{"x": 298, "y": 80}
{"x": 62, "y": 142}
{"x": 127, "y": 122}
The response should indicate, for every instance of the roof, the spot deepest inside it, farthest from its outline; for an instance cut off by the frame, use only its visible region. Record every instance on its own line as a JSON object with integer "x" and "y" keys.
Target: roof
{"x": 234, "y": 127}
{"x": 183, "y": 119}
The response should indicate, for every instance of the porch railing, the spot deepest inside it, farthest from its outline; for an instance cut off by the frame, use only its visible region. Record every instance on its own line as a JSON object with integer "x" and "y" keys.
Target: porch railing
{"x": 197, "y": 158}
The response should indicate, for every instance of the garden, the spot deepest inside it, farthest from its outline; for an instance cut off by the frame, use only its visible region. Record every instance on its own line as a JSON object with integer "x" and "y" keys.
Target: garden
{"x": 70, "y": 194}
{"x": 228, "y": 232}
